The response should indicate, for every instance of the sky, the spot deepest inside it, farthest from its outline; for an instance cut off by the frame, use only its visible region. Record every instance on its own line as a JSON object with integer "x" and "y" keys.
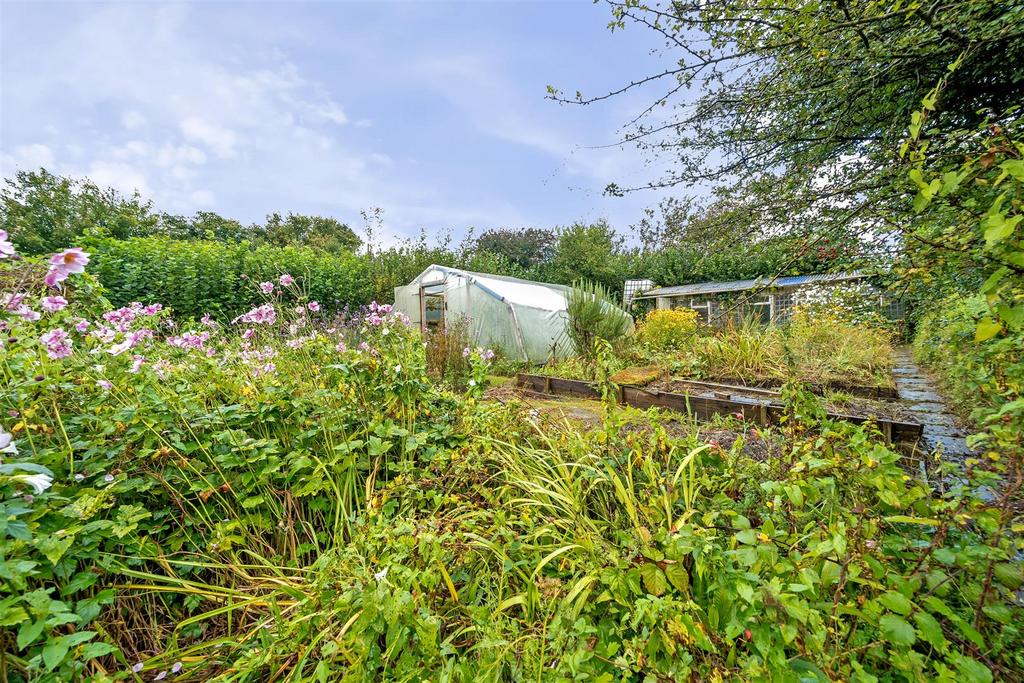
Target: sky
{"x": 434, "y": 112}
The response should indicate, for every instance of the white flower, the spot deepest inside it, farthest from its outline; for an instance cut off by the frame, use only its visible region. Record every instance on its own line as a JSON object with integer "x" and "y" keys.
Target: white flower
{"x": 472, "y": 382}
{"x": 7, "y": 443}
{"x": 381, "y": 575}
{"x": 385, "y": 331}
{"x": 398, "y": 368}
{"x": 39, "y": 482}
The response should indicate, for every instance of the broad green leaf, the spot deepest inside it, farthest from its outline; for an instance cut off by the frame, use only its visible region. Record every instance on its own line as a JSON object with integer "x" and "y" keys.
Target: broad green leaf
{"x": 654, "y": 579}
{"x": 986, "y": 329}
{"x": 678, "y": 576}
{"x": 896, "y": 630}
{"x": 930, "y": 630}
{"x": 896, "y": 602}
{"x": 973, "y": 670}
{"x": 29, "y": 631}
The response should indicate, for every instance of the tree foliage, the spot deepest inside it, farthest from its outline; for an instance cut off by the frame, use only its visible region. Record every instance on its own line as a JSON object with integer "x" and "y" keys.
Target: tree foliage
{"x": 801, "y": 104}
{"x": 44, "y": 213}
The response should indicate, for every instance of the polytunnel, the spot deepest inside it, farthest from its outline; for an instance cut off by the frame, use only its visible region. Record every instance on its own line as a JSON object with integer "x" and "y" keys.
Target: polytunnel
{"x": 525, "y": 319}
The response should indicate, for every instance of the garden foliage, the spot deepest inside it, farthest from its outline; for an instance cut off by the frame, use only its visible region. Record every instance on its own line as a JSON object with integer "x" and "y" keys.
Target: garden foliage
{"x": 288, "y": 495}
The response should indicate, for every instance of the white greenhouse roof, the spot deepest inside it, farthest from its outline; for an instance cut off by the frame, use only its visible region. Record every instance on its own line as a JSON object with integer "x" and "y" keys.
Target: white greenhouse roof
{"x": 541, "y": 295}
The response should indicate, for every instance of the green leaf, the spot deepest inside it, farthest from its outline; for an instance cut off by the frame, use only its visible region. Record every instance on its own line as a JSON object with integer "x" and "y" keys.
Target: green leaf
{"x": 972, "y": 670}
{"x": 29, "y": 631}
{"x": 986, "y": 329}
{"x": 896, "y": 602}
{"x": 904, "y": 519}
{"x": 930, "y": 630}
{"x": 94, "y": 650}
{"x": 1009, "y": 574}
{"x": 678, "y": 576}
{"x": 54, "y": 652}
{"x": 654, "y": 579}
{"x": 998, "y": 228}
{"x": 747, "y": 537}
{"x": 896, "y": 630}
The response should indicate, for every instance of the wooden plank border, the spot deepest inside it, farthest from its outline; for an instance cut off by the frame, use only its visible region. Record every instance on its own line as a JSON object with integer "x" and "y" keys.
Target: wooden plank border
{"x": 703, "y": 408}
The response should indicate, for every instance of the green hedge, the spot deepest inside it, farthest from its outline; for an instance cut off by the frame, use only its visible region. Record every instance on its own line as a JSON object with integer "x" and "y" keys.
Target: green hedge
{"x": 197, "y": 277}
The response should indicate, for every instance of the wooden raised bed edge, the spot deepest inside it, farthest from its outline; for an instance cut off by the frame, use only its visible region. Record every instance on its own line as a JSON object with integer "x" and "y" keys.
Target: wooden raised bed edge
{"x": 704, "y": 408}
{"x": 862, "y": 390}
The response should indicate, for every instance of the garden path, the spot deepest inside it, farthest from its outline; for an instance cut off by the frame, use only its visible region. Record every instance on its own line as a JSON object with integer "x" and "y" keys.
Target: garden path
{"x": 941, "y": 430}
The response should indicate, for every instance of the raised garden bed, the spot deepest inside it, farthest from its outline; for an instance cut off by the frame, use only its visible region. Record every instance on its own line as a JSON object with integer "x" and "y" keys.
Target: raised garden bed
{"x": 704, "y": 405}
{"x": 820, "y": 388}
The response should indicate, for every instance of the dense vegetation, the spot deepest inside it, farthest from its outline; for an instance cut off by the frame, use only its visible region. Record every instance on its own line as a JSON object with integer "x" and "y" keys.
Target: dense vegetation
{"x": 291, "y": 496}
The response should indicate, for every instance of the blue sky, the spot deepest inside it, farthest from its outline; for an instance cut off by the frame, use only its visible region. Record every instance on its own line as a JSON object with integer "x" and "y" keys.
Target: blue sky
{"x": 434, "y": 112}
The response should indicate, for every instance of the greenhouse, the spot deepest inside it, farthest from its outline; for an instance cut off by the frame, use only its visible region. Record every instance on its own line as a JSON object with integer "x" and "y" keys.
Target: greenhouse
{"x": 526, "y": 320}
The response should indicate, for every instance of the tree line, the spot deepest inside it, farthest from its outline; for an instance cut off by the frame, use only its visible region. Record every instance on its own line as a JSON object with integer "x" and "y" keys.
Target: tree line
{"x": 670, "y": 244}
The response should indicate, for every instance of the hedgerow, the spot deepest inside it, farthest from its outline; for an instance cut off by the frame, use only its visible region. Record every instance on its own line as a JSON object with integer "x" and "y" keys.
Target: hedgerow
{"x": 197, "y": 277}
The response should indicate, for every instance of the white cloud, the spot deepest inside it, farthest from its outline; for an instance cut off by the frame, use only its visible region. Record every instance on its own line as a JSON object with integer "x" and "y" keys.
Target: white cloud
{"x": 221, "y": 140}
{"x": 125, "y": 178}
{"x": 30, "y": 157}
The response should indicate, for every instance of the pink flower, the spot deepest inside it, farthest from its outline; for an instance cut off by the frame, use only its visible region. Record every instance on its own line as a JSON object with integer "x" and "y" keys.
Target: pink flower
{"x": 313, "y": 306}
{"x": 6, "y": 248}
{"x": 123, "y": 315}
{"x": 27, "y": 313}
{"x": 104, "y": 384}
{"x": 206, "y": 320}
{"x": 82, "y": 325}
{"x": 12, "y": 301}
{"x": 466, "y": 352}
{"x": 152, "y": 309}
{"x": 137, "y": 362}
{"x": 264, "y": 314}
{"x": 53, "y": 304}
{"x": 57, "y": 343}
{"x": 248, "y": 333}
{"x": 363, "y": 346}
{"x": 267, "y": 287}
{"x": 286, "y": 280}
{"x": 67, "y": 262}
{"x": 72, "y": 260}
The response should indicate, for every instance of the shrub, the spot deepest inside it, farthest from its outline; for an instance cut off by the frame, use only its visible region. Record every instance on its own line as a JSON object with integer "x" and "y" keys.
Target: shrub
{"x": 979, "y": 377}
{"x": 592, "y": 317}
{"x": 196, "y": 277}
{"x": 668, "y": 329}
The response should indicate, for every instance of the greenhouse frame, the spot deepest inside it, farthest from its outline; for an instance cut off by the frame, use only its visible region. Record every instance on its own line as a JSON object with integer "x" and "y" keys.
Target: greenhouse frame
{"x": 524, "y": 319}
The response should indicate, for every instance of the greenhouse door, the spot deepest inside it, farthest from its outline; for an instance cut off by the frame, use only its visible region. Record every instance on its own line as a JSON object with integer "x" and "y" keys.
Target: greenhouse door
{"x": 432, "y": 308}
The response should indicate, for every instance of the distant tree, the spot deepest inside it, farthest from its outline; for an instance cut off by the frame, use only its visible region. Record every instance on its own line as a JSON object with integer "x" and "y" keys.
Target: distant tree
{"x": 528, "y": 247}
{"x": 319, "y": 232}
{"x": 204, "y": 225}
{"x": 592, "y": 252}
{"x": 44, "y": 212}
